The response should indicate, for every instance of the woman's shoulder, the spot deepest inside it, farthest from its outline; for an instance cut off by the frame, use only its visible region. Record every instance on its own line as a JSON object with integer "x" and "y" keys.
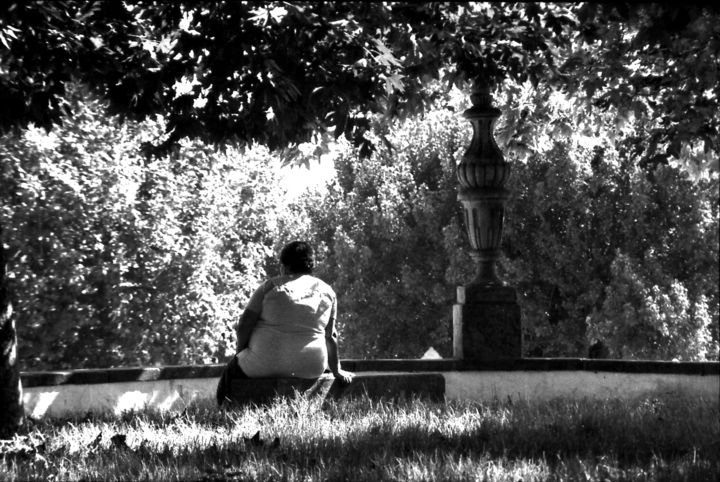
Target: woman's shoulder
{"x": 270, "y": 283}
{"x": 323, "y": 285}
{"x": 303, "y": 282}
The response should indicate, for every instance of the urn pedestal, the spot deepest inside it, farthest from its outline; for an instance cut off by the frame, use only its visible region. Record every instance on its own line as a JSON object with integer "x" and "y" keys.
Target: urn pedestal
{"x": 486, "y": 317}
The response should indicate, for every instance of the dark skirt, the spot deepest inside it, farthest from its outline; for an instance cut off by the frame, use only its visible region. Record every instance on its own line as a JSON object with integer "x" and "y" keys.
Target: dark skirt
{"x": 231, "y": 371}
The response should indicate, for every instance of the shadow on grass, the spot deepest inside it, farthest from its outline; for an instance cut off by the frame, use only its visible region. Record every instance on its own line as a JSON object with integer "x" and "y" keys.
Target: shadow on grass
{"x": 663, "y": 439}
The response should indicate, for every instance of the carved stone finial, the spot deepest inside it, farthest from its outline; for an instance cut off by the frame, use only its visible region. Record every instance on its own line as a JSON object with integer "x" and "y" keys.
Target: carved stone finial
{"x": 480, "y": 94}
{"x": 482, "y": 174}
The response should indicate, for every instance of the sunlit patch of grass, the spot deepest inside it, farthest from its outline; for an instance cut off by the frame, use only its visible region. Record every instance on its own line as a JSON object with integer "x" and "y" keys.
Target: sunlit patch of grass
{"x": 654, "y": 438}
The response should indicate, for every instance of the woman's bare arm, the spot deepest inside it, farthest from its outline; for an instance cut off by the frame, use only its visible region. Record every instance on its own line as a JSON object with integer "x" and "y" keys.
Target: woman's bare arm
{"x": 334, "y": 361}
{"x": 331, "y": 340}
{"x": 250, "y": 316}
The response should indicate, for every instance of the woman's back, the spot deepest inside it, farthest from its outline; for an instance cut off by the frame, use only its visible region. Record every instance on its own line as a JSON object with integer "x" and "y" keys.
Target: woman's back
{"x": 289, "y": 338}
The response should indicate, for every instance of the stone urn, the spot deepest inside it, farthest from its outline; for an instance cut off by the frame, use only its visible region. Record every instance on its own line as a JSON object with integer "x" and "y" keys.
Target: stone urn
{"x": 482, "y": 174}
{"x": 486, "y": 317}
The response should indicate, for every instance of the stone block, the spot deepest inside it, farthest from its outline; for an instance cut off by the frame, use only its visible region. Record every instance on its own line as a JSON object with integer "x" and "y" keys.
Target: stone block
{"x": 258, "y": 391}
{"x": 431, "y": 386}
{"x": 486, "y": 323}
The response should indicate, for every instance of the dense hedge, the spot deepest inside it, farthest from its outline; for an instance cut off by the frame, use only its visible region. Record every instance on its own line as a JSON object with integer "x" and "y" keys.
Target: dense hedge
{"x": 116, "y": 258}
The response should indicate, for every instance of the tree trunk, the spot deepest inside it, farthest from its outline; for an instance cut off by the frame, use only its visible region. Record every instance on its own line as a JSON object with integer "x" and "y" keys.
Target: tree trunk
{"x": 11, "y": 407}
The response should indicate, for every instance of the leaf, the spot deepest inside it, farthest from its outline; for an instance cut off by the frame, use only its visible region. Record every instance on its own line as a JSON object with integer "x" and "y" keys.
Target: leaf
{"x": 394, "y": 82}
{"x": 385, "y": 57}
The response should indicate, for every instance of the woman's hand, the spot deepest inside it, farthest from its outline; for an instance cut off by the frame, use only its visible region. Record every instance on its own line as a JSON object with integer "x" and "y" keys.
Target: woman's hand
{"x": 343, "y": 376}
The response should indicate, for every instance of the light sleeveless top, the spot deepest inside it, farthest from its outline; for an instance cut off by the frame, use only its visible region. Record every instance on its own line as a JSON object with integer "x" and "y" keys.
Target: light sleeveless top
{"x": 289, "y": 338}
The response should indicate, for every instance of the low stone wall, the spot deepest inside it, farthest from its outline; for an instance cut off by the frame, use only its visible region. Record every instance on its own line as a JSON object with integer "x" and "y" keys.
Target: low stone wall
{"x": 78, "y": 392}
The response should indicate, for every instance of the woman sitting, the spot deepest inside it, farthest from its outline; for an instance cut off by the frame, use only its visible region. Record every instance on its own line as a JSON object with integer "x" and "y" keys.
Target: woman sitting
{"x": 288, "y": 327}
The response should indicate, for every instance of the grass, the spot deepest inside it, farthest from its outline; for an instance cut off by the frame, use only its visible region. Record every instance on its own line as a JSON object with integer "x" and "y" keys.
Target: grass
{"x": 647, "y": 439}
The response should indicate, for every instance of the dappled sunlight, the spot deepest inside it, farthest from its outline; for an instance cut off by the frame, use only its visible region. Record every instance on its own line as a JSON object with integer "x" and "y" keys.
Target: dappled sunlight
{"x": 172, "y": 395}
{"x": 165, "y": 395}
{"x": 38, "y": 402}
{"x": 381, "y": 440}
{"x": 136, "y": 400}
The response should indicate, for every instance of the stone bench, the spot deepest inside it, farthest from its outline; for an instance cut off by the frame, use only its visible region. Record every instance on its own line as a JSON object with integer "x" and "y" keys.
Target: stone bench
{"x": 429, "y": 386}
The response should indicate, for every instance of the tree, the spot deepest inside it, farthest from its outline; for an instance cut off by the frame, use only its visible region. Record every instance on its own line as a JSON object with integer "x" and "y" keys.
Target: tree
{"x": 657, "y": 62}
{"x": 45, "y": 45}
{"x": 580, "y": 200}
{"x": 643, "y": 320}
{"x": 382, "y": 228}
{"x": 270, "y": 72}
{"x": 120, "y": 259}
{"x": 599, "y": 247}
{"x": 10, "y": 387}
{"x": 303, "y": 68}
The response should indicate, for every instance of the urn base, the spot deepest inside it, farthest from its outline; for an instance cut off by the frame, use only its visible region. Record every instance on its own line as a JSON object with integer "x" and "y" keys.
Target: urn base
{"x": 486, "y": 323}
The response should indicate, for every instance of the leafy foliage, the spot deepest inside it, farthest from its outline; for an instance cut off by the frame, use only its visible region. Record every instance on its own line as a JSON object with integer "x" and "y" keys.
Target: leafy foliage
{"x": 116, "y": 258}
{"x": 47, "y": 46}
{"x": 119, "y": 258}
{"x": 268, "y": 72}
{"x": 580, "y": 206}
{"x": 279, "y": 73}
{"x": 383, "y": 225}
{"x": 115, "y": 244}
{"x": 643, "y": 320}
{"x": 571, "y": 232}
{"x": 657, "y": 62}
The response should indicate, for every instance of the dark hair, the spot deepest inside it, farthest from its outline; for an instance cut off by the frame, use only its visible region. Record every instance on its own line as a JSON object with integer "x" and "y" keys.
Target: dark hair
{"x": 298, "y": 257}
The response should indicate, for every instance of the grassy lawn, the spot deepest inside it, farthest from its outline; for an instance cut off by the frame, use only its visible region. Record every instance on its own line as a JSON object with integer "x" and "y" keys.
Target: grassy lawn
{"x": 649, "y": 439}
